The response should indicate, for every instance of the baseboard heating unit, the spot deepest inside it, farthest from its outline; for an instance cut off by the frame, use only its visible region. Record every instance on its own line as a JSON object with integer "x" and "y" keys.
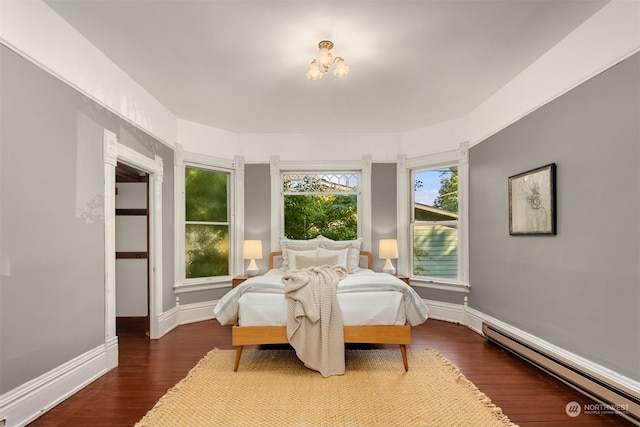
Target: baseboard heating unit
{"x": 612, "y": 397}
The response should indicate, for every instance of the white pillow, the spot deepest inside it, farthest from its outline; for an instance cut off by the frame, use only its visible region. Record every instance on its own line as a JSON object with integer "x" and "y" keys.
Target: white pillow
{"x": 295, "y": 244}
{"x": 304, "y": 261}
{"x": 293, "y": 254}
{"x": 342, "y": 255}
{"x": 354, "y": 254}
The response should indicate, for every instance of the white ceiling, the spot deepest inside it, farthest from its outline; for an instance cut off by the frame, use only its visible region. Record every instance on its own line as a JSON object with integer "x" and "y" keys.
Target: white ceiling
{"x": 240, "y": 65}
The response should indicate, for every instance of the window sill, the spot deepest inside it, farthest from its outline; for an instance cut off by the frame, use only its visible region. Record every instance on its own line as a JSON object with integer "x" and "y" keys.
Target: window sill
{"x": 204, "y": 284}
{"x": 432, "y": 284}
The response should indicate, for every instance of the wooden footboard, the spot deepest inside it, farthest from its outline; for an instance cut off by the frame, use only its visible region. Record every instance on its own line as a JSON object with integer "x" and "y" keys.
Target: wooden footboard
{"x": 378, "y": 334}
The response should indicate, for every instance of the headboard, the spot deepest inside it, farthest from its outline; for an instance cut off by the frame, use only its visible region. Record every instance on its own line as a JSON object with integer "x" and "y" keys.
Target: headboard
{"x": 275, "y": 258}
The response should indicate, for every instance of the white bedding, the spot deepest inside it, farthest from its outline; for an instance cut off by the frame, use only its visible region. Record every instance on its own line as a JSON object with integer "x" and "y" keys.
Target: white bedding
{"x": 370, "y": 308}
{"x": 365, "y": 298}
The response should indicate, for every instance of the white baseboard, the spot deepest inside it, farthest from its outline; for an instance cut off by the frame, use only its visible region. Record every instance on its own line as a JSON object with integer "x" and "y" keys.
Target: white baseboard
{"x": 167, "y": 321}
{"x": 196, "y": 312}
{"x": 475, "y": 319}
{"x": 111, "y": 352}
{"x": 27, "y": 402}
{"x": 449, "y": 312}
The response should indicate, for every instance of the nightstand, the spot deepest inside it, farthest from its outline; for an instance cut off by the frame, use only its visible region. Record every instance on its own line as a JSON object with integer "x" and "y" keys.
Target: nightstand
{"x": 238, "y": 279}
{"x": 404, "y": 278}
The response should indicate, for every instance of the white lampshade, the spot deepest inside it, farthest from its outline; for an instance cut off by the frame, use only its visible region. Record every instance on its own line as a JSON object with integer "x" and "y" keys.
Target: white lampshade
{"x": 341, "y": 69}
{"x": 252, "y": 250}
{"x": 314, "y": 72}
{"x": 325, "y": 58}
{"x": 388, "y": 249}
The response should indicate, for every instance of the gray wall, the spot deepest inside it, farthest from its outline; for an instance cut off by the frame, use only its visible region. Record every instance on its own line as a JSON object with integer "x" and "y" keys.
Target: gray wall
{"x": 580, "y": 289}
{"x": 52, "y": 221}
{"x": 384, "y": 201}
{"x": 257, "y": 210}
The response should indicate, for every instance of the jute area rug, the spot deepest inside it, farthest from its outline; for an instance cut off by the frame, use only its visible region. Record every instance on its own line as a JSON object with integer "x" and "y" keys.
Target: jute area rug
{"x": 273, "y": 388}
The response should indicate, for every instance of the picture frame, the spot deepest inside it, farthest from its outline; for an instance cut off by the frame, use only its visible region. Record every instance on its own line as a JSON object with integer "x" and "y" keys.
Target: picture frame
{"x": 532, "y": 201}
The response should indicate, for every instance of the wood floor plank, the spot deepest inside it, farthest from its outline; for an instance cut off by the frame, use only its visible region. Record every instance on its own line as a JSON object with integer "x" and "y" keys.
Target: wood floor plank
{"x": 148, "y": 368}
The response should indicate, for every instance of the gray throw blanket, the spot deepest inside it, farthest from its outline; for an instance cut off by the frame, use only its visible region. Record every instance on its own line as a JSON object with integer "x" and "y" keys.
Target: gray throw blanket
{"x": 314, "y": 320}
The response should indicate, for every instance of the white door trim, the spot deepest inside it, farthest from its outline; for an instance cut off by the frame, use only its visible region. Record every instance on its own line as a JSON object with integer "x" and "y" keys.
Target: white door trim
{"x": 114, "y": 153}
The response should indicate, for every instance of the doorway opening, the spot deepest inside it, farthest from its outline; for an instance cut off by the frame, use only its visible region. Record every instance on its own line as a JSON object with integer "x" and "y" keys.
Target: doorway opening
{"x": 132, "y": 251}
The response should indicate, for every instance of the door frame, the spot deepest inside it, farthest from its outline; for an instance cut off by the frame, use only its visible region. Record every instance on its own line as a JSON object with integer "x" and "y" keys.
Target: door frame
{"x": 115, "y": 152}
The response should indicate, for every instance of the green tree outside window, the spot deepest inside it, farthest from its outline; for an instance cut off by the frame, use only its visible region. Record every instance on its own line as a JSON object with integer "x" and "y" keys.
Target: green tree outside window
{"x": 207, "y": 223}
{"x": 321, "y": 204}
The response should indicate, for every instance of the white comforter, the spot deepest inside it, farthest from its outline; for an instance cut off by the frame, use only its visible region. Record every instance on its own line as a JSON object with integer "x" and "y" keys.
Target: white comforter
{"x": 226, "y": 311}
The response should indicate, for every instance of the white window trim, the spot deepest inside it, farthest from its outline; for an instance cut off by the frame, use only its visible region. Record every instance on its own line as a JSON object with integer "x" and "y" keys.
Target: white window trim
{"x": 235, "y": 168}
{"x": 405, "y": 197}
{"x": 363, "y": 168}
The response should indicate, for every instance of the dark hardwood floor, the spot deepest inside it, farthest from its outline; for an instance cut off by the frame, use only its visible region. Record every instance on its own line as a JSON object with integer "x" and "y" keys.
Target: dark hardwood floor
{"x": 148, "y": 368}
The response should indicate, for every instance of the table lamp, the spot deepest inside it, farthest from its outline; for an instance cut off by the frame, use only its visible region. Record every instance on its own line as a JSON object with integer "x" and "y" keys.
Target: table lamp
{"x": 252, "y": 250}
{"x": 388, "y": 249}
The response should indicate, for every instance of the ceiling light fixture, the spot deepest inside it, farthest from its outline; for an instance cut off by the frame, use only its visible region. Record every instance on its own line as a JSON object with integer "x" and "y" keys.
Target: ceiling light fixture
{"x": 320, "y": 65}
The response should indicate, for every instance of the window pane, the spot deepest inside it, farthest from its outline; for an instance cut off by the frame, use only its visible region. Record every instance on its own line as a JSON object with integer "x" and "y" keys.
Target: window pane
{"x": 435, "y": 251}
{"x": 205, "y": 195}
{"x": 320, "y": 183}
{"x": 435, "y": 215}
{"x": 206, "y": 250}
{"x": 307, "y": 216}
{"x": 436, "y": 194}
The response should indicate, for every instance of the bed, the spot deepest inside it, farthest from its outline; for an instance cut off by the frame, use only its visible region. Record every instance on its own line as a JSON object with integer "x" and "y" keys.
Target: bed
{"x": 378, "y": 308}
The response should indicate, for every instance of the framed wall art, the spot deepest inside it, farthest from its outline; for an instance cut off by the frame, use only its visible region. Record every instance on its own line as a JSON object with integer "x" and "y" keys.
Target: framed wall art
{"x": 532, "y": 202}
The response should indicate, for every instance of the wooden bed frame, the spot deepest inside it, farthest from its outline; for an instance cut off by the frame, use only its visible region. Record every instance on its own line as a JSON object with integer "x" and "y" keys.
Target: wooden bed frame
{"x": 378, "y": 334}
